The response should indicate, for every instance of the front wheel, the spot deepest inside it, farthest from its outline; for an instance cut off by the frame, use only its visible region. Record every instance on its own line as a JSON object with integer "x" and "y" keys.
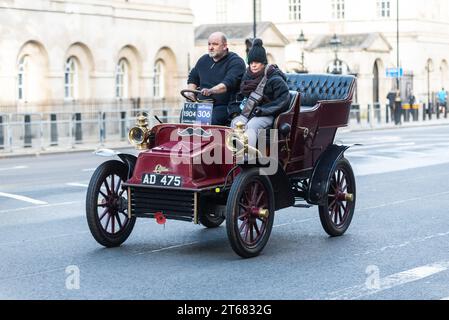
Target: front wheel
{"x": 107, "y": 205}
{"x": 336, "y": 214}
{"x": 250, "y": 213}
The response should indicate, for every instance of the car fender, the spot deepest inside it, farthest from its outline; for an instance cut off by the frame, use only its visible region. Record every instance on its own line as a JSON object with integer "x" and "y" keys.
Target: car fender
{"x": 128, "y": 159}
{"x": 321, "y": 175}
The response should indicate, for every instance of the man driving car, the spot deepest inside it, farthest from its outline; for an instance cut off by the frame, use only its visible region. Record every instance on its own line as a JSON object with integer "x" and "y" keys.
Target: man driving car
{"x": 218, "y": 75}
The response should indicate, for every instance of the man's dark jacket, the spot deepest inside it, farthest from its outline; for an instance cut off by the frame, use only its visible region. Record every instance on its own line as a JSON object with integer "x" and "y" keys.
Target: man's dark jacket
{"x": 276, "y": 92}
{"x": 229, "y": 70}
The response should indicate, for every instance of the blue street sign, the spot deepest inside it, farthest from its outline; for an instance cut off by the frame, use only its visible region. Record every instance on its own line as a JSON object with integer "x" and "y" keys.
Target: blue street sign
{"x": 394, "y": 72}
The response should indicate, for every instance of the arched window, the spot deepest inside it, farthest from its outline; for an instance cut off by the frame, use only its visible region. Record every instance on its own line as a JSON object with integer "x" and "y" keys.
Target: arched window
{"x": 71, "y": 78}
{"x": 22, "y": 79}
{"x": 159, "y": 79}
{"x": 122, "y": 79}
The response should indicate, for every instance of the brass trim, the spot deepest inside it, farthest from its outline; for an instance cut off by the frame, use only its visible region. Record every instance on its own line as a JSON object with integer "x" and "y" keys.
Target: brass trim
{"x": 129, "y": 202}
{"x": 195, "y": 208}
{"x": 264, "y": 213}
{"x": 349, "y": 197}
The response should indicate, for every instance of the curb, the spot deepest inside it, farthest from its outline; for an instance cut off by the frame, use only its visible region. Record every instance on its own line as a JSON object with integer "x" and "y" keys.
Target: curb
{"x": 39, "y": 153}
{"x": 397, "y": 127}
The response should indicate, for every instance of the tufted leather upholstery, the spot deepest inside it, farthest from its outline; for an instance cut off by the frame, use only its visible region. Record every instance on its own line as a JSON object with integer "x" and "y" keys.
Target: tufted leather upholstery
{"x": 317, "y": 87}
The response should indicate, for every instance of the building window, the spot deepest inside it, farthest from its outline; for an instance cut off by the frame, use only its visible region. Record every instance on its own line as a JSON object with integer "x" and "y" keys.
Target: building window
{"x": 383, "y": 8}
{"x": 122, "y": 79}
{"x": 294, "y": 10}
{"x": 159, "y": 81}
{"x": 222, "y": 11}
{"x": 22, "y": 79}
{"x": 71, "y": 79}
{"x": 338, "y": 9}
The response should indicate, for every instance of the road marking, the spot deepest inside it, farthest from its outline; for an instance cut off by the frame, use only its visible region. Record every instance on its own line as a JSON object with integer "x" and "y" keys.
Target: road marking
{"x": 75, "y": 184}
{"x": 404, "y": 201}
{"x": 294, "y": 222}
{"x": 392, "y": 281}
{"x": 22, "y": 198}
{"x": 167, "y": 248}
{"x": 14, "y": 168}
{"x": 404, "y": 244}
{"x": 41, "y": 206}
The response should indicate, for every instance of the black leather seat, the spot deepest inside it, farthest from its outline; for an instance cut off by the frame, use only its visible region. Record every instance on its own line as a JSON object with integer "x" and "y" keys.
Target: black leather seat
{"x": 320, "y": 87}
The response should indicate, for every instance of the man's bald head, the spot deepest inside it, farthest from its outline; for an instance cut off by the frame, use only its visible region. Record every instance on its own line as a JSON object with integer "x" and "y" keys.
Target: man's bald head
{"x": 217, "y": 45}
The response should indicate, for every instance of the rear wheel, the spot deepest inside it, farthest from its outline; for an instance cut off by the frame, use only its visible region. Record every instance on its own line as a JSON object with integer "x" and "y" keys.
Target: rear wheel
{"x": 209, "y": 218}
{"x": 107, "y": 205}
{"x": 250, "y": 213}
{"x": 336, "y": 215}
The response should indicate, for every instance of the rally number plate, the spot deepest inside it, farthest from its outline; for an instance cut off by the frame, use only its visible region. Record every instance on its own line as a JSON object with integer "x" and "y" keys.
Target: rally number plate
{"x": 161, "y": 180}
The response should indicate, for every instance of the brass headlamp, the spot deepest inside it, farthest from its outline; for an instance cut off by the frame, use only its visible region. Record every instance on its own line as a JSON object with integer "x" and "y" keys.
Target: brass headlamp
{"x": 138, "y": 135}
{"x": 237, "y": 140}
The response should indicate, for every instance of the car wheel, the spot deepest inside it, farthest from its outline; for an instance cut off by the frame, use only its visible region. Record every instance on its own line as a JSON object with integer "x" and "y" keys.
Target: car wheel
{"x": 107, "y": 205}
{"x": 250, "y": 213}
{"x": 336, "y": 215}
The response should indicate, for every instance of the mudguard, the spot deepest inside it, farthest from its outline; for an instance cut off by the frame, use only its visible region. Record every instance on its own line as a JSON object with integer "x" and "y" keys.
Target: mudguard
{"x": 283, "y": 193}
{"x": 128, "y": 159}
{"x": 321, "y": 176}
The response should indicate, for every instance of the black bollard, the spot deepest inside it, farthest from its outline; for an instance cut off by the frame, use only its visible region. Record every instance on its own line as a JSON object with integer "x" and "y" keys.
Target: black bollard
{"x": 123, "y": 125}
{"x": 2, "y": 136}
{"x": 78, "y": 128}
{"x": 398, "y": 110}
{"x": 28, "y": 143}
{"x": 53, "y": 130}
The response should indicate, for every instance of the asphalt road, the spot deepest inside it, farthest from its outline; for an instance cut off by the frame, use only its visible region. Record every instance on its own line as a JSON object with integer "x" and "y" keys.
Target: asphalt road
{"x": 396, "y": 248}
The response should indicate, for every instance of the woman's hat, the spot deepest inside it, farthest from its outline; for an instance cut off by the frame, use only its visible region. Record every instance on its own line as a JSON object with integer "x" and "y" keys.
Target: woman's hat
{"x": 257, "y": 52}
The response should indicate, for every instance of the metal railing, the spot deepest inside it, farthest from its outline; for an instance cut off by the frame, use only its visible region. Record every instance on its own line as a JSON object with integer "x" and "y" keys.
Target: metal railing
{"x": 378, "y": 115}
{"x": 69, "y": 125}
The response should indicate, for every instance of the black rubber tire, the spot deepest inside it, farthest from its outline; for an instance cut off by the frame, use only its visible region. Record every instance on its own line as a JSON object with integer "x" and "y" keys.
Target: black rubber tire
{"x": 333, "y": 229}
{"x": 245, "y": 178}
{"x": 211, "y": 222}
{"x": 99, "y": 233}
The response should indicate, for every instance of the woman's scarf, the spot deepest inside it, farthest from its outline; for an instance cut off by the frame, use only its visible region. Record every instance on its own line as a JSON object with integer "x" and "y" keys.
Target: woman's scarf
{"x": 250, "y": 85}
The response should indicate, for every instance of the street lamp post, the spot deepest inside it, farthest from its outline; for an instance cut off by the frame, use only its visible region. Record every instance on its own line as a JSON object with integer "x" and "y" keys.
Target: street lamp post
{"x": 429, "y": 69}
{"x": 302, "y": 40}
{"x": 335, "y": 43}
{"x": 398, "y": 102}
{"x": 254, "y": 20}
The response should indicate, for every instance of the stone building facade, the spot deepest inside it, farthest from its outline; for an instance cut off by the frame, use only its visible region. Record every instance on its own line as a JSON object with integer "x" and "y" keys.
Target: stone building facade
{"x": 93, "y": 49}
{"x": 367, "y": 30}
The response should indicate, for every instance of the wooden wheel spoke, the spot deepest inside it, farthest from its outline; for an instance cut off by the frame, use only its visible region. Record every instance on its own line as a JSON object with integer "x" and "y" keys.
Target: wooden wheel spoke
{"x": 119, "y": 183}
{"x": 244, "y": 223}
{"x": 244, "y": 206}
{"x": 105, "y": 212}
{"x": 247, "y": 231}
{"x": 259, "y": 198}
{"x": 108, "y": 190}
{"x": 112, "y": 183}
{"x": 254, "y": 192}
{"x": 340, "y": 214}
{"x": 256, "y": 227}
{"x": 251, "y": 233}
{"x": 119, "y": 221}
{"x": 113, "y": 224}
{"x": 103, "y": 194}
{"x": 107, "y": 223}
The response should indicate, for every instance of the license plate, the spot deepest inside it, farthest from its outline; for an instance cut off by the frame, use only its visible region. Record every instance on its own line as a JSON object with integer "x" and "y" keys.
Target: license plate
{"x": 161, "y": 180}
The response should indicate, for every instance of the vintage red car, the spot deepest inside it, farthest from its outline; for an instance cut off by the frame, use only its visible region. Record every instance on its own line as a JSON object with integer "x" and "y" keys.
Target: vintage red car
{"x": 177, "y": 175}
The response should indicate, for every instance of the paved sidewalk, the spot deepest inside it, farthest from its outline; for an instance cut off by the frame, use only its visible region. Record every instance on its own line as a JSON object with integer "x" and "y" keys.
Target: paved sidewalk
{"x": 353, "y": 127}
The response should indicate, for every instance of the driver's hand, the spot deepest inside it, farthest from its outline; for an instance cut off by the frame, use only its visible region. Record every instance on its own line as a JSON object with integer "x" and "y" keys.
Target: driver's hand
{"x": 190, "y": 95}
{"x": 207, "y": 92}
